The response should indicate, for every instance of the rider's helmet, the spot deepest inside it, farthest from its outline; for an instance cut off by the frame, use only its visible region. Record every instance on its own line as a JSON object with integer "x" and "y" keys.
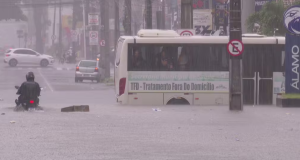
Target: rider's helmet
{"x": 30, "y": 76}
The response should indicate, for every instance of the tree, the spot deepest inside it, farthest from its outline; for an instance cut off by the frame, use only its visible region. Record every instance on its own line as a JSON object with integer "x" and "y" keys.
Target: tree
{"x": 10, "y": 10}
{"x": 270, "y": 17}
{"x": 39, "y": 24}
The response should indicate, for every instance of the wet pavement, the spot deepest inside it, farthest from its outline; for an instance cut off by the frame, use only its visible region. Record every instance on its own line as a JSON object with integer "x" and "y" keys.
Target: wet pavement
{"x": 112, "y": 131}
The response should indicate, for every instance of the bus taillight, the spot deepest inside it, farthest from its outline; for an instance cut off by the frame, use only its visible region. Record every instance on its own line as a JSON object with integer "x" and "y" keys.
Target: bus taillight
{"x": 122, "y": 85}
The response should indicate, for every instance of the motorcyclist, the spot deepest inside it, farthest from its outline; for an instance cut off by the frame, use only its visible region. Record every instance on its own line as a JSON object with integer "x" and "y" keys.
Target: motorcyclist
{"x": 68, "y": 55}
{"x": 28, "y": 90}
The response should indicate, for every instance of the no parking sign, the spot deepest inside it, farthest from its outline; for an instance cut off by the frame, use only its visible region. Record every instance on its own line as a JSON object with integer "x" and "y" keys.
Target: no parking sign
{"x": 93, "y": 38}
{"x": 235, "y": 47}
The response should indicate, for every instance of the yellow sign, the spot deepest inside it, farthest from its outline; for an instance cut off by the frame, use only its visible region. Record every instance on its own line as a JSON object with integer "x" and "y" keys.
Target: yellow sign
{"x": 66, "y": 21}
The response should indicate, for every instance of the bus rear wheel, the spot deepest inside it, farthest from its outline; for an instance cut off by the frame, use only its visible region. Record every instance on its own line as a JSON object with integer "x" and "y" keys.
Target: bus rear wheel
{"x": 176, "y": 101}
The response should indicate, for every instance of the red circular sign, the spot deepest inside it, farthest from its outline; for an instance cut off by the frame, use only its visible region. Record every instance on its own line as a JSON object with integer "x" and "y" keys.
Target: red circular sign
{"x": 93, "y": 34}
{"x": 186, "y": 32}
{"x": 235, "y": 47}
{"x": 102, "y": 43}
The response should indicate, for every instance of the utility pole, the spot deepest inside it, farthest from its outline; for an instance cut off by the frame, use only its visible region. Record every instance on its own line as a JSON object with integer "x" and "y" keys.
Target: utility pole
{"x": 54, "y": 23}
{"x": 148, "y": 7}
{"x": 74, "y": 23}
{"x": 187, "y": 14}
{"x": 160, "y": 16}
{"x": 159, "y": 19}
{"x": 105, "y": 36}
{"x": 60, "y": 30}
{"x": 163, "y": 14}
{"x": 235, "y": 63}
{"x": 87, "y": 40}
{"x": 39, "y": 26}
{"x": 93, "y": 9}
{"x": 117, "y": 27}
{"x": 84, "y": 27}
{"x": 127, "y": 20}
{"x": 117, "y": 23}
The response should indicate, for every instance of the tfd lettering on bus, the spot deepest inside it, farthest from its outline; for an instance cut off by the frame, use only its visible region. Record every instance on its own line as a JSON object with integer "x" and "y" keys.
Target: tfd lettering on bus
{"x": 135, "y": 86}
{"x": 295, "y": 65}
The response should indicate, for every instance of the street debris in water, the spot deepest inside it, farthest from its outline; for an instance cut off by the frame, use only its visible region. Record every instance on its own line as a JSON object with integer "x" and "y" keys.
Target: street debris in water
{"x": 156, "y": 109}
{"x": 12, "y": 122}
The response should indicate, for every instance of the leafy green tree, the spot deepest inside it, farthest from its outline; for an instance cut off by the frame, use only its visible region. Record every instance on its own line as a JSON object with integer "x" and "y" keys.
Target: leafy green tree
{"x": 270, "y": 17}
{"x": 9, "y": 10}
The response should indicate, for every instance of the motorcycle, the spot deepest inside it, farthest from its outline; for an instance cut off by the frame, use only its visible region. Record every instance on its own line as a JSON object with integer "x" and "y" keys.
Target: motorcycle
{"x": 28, "y": 104}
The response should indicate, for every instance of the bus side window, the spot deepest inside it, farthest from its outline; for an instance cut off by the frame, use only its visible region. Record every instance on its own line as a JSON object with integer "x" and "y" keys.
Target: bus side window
{"x": 166, "y": 58}
{"x": 185, "y": 58}
{"x": 150, "y": 57}
{"x": 137, "y": 60}
{"x": 130, "y": 55}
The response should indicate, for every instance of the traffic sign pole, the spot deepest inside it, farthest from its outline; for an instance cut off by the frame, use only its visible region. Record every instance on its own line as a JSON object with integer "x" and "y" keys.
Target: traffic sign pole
{"x": 235, "y": 49}
{"x": 84, "y": 29}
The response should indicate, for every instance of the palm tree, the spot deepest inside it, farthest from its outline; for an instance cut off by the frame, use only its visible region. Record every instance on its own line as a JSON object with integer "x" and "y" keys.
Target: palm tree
{"x": 269, "y": 18}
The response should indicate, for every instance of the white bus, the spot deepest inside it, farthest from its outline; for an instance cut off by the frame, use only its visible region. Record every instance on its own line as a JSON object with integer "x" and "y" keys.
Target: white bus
{"x": 159, "y": 67}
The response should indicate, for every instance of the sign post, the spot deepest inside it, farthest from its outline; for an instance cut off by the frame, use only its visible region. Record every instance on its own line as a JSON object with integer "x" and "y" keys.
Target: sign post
{"x": 292, "y": 50}
{"x": 93, "y": 19}
{"x": 74, "y": 35}
{"x": 20, "y": 35}
{"x": 93, "y": 38}
{"x": 53, "y": 37}
{"x": 235, "y": 49}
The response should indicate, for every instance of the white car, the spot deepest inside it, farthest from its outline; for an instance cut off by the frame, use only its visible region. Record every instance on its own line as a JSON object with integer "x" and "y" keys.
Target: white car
{"x": 26, "y": 56}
